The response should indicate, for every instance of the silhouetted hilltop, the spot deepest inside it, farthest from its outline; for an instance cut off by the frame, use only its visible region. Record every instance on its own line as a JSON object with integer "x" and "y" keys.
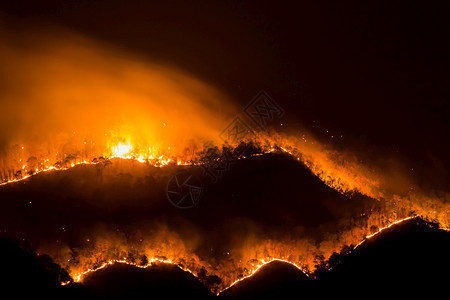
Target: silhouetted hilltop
{"x": 160, "y": 281}
{"x": 403, "y": 260}
{"x": 24, "y": 273}
{"x": 276, "y": 280}
{"x": 407, "y": 258}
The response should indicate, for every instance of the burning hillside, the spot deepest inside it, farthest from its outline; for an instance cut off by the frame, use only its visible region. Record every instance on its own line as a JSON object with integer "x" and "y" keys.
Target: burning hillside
{"x": 109, "y": 157}
{"x": 119, "y": 212}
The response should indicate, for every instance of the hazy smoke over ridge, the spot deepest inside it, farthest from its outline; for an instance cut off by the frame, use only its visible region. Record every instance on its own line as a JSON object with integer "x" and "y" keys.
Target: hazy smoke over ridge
{"x": 64, "y": 90}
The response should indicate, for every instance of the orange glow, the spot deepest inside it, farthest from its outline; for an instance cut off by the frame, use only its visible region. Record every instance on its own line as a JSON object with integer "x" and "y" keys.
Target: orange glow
{"x": 259, "y": 266}
{"x": 97, "y": 101}
{"x": 122, "y": 150}
{"x": 252, "y": 269}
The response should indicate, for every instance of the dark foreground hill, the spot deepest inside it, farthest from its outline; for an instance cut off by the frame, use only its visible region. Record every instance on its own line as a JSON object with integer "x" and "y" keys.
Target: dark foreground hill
{"x": 274, "y": 280}
{"x": 409, "y": 259}
{"x": 404, "y": 260}
{"x": 159, "y": 281}
{"x": 23, "y": 273}
{"x": 26, "y": 275}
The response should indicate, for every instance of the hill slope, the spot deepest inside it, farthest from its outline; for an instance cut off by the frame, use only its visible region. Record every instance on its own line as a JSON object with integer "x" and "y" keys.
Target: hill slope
{"x": 403, "y": 260}
{"x": 274, "y": 280}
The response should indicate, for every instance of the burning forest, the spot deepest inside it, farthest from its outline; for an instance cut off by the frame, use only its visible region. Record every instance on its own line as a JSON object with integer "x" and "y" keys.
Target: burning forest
{"x": 110, "y": 158}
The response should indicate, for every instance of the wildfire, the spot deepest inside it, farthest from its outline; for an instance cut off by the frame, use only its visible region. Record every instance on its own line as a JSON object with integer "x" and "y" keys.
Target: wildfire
{"x": 259, "y": 266}
{"x": 151, "y": 155}
{"x": 44, "y": 170}
{"x": 382, "y": 229}
{"x": 96, "y": 104}
{"x": 122, "y": 150}
{"x": 156, "y": 157}
{"x": 79, "y": 277}
{"x": 251, "y": 271}
{"x": 125, "y": 150}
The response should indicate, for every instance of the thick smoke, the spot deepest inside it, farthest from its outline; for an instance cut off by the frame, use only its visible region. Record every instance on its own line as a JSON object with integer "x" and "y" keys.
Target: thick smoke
{"x": 62, "y": 93}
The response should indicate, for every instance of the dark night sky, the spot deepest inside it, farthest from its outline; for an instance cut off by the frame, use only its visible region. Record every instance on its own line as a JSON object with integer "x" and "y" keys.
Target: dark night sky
{"x": 376, "y": 72}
